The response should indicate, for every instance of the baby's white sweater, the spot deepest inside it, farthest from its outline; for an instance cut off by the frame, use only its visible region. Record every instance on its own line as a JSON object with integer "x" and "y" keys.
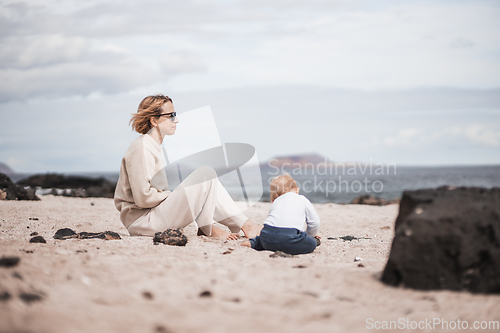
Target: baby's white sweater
{"x": 291, "y": 210}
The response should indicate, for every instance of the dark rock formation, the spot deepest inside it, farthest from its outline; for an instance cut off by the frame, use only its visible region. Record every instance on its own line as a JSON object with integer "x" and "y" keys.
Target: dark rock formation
{"x": 447, "y": 238}
{"x": 11, "y": 191}
{"x": 171, "y": 237}
{"x": 37, "y": 239}
{"x": 67, "y": 233}
{"x": 77, "y": 186}
{"x": 366, "y": 199}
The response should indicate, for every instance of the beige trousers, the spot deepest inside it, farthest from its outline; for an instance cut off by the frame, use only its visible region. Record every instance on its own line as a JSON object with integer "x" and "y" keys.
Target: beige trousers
{"x": 201, "y": 198}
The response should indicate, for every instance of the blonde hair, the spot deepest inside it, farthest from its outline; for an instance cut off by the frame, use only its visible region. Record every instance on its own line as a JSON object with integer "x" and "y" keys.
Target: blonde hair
{"x": 281, "y": 185}
{"x": 148, "y": 108}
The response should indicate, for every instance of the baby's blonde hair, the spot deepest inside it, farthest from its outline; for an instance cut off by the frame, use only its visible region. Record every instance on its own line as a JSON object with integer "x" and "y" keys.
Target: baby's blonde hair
{"x": 281, "y": 185}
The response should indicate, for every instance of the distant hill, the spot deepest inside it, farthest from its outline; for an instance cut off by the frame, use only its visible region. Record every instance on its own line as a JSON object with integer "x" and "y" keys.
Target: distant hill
{"x": 304, "y": 160}
{"x": 4, "y": 168}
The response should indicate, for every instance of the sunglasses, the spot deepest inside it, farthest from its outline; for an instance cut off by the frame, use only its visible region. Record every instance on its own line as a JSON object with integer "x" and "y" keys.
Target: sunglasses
{"x": 171, "y": 115}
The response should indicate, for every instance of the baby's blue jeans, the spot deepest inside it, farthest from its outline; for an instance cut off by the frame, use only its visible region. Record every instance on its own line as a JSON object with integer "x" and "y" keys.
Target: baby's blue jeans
{"x": 288, "y": 240}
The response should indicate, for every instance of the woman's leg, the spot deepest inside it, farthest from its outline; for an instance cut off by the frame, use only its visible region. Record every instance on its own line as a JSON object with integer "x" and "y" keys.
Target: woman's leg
{"x": 227, "y": 213}
{"x": 199, "y": 197}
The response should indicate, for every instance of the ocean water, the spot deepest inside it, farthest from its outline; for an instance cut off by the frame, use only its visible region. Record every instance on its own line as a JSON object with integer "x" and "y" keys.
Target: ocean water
{"x": 341, "y": 185}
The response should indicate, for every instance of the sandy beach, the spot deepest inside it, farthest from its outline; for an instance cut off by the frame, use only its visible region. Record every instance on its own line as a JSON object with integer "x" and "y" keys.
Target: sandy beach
{"x": 132, "y": 285}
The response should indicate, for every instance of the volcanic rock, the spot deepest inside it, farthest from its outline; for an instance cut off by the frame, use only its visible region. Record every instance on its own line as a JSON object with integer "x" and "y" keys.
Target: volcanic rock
{"x": 78, "y": 186}
{"x": 11, "y": 191}
{"x": 171, "y": 237}
{"x": 37, "y": 239}
{"x": 67, "y": 233}
{"x": 447, "y": 238}
{"x": 372, "y": 200}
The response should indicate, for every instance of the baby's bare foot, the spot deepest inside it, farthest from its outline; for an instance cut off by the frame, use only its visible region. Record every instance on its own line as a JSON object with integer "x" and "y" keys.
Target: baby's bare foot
{"x": 246, "y": 243}
{"x": 251, "y": 229}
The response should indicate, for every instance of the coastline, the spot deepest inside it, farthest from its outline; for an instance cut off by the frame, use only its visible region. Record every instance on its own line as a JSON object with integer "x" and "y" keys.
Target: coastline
{"x": 343, "y": 188}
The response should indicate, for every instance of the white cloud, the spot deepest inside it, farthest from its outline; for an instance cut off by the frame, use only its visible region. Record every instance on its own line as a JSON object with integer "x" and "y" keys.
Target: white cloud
{"x": 14, "y": 162}
{"x": 404, "y": 137}
{"x": 475, "y": 133}
{"x": 72, "y": 79}
{"x": 482, "y": 135}
{"x": 25, "y": 53}
{"x": 182, "y": 62}
{"x": 408, "y": 133}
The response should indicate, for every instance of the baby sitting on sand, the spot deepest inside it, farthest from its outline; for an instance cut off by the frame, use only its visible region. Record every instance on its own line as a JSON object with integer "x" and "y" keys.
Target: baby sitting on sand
{"x": 292, "y": 222}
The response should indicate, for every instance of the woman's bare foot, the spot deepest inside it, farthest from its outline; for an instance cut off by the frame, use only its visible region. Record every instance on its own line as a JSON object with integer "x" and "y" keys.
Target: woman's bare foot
{"x": 246, "y": 243}
{"x": 251, "y": 229}
{"x": 219, "y": 233}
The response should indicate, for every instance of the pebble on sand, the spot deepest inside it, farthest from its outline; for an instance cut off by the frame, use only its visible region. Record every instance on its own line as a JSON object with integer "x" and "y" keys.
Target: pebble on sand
{"x": 9, "y": 261}
{"x": 38, "y": 239}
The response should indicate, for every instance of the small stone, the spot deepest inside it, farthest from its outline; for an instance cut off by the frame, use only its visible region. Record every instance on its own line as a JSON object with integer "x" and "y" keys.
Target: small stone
{"x": 206, "y": 293}
{"x": 38, "y": 239}
{"x": 361, "y": 265}
{"x": 29, "y": 297}
{"x": 147, "y": 295}
{"x": 34, "y": 234}
{"x": 279, "y": 254}
{"x": 106, "y": 235}
{"x": 357, "y": 259}
{"x": 65, "y": 233}
{"x": 34, "y": 218}
{"x": 171, "y": 237}
{"x": 9, "y": 261}
{"x": 162, "y": 329}
{"x": 5, "y": 296}
{"x": 299, "y": 266}
{"x": 351, "y": 238}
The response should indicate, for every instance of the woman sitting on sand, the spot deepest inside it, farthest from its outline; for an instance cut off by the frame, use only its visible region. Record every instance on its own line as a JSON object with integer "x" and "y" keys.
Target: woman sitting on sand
{"x": 147, "y": 207}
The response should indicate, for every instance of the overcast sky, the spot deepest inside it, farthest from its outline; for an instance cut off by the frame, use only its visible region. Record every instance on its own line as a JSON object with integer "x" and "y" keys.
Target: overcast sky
{"x": 406, "y": 82}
